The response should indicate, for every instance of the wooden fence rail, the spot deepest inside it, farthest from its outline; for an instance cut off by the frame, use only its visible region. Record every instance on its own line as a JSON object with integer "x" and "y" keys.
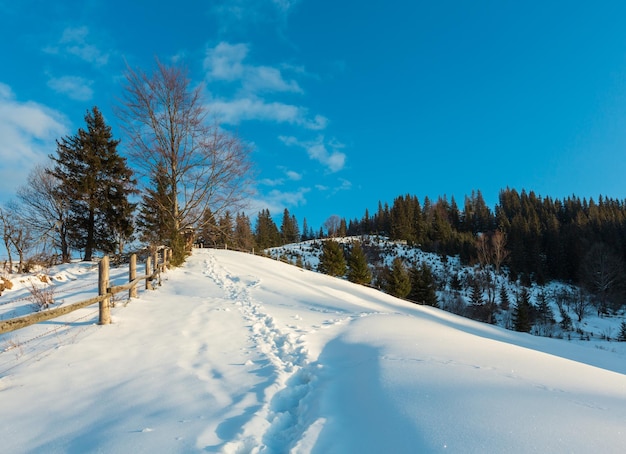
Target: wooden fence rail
{"x": 105, "y": 292}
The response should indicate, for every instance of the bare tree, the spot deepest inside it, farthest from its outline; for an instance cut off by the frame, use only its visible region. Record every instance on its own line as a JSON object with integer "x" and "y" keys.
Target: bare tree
{"x": 44, "y": 212}
{"x": 22, "y": 241}
{"x": 16, "y": 235}
{"x": 483, "y": 250}
{"x": 332, "y": 225}
{"x": 580, "y": 303}
{"x": 602, "y": 272}
{"x": 7, "y": 233}
{"x": 499, "y": 252}
{"x": 491, "y": 249}
{"x": 165, "y": 121}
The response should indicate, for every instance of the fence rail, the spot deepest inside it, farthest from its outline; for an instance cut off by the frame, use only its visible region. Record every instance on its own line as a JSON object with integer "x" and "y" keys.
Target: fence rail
{"x": 154, "y": 267}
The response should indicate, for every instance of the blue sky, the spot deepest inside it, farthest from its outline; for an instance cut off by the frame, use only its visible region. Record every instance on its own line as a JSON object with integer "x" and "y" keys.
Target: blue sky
{"x": 345, "y": 103}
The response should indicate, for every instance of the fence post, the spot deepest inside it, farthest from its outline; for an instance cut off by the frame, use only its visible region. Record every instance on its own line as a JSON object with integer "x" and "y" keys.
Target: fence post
{"x": 132, "y": 274}
{"x": 148, "y": 272}
{"x": 155, "y": 261}
{"x": 103, "y": 284}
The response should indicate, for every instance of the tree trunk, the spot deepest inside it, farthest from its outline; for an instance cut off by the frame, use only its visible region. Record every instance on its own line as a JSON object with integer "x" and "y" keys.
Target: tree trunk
{"x": 65, "y": 248}
{"x": 7, "y": 245}
{"x": 90, "y": 237}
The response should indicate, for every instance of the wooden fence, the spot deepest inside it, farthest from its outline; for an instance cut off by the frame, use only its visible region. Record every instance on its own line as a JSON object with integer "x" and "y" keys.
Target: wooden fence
{"x": 153, "y": 268}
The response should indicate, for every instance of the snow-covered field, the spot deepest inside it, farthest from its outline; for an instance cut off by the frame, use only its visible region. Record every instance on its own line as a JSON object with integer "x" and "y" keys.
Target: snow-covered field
{"x": 237, "y": 353}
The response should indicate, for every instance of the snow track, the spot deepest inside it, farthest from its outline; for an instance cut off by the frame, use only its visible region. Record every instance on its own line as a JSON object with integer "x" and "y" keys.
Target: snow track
{"x": 281, "y": 353}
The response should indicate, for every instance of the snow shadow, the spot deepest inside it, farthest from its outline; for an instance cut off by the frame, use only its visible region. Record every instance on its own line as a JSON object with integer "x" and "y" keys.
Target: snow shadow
{"x": 354, "y": 400}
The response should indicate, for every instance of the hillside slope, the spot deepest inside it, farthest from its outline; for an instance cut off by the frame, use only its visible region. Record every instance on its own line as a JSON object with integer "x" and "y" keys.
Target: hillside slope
{"x": 237, "y": 353}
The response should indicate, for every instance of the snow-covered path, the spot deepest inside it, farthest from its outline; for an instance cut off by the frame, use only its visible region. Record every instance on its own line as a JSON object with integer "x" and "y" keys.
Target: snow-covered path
{"x": 238, "y": 354}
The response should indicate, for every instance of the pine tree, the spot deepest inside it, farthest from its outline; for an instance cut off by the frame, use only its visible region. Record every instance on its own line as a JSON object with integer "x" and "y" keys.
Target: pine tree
{"x": 504, "y": 298}
{"x": 545, "y": 314}
{"x": 423, "y": 285}
{"x": 358, "y": 270}
{"x": 243, "y": 237}
{"x": 455, "y": 283}
{"x": 289, "y": 228}
{"x": 154, "y": 226}
{"x": 397, "y": 279}
{"x": 476, "y": 297}
{"x": 97, "y": 183}
{"x": 225, "y": 229}
{"x": 566, "y": 319}
{"x": 521, "y": 312}
{"x": 208, "y": 233}
{"x": 332, "y": 260}
{"x": 266, "y": 233}
{"x": 305, "y": 231}
{"x": 622, "y": 332}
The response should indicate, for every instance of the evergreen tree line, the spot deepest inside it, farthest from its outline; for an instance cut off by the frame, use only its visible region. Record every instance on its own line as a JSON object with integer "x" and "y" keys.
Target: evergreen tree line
{"x": 237, "y": 232}
{"x": 415, "y": 283}
{"x": 582, "y": 242}
{"x": 191, "y": 173}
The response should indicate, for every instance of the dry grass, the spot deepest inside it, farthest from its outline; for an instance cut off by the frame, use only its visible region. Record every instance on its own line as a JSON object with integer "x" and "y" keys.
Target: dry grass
{"x": 41, "y": 297}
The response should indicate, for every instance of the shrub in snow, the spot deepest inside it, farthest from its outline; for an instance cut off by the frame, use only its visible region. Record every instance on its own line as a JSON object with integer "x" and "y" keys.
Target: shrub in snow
{"x": 5, "y": 284}
{"x": 41, "y": 297}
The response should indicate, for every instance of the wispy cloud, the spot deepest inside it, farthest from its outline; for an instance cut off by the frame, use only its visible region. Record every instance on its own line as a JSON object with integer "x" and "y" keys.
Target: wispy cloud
{"x": 276, "y": 201}
{"x": 326, "y": 153}
{"x": 76, "y": 88}
{"x": 256, "y": 88}
{"x": 74, "y": 41}
{"x": 240, "y": 14}
{"x": 27, "y": 135}
{"x": 293, "y": 176}
{"x": 236, "y": 110}
{"x": 226, "y": 62}
{"x": 290, "y": 175}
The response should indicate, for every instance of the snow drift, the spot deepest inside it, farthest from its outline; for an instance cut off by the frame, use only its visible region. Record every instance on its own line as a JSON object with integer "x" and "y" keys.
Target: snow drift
{"x": 237, "y": 353}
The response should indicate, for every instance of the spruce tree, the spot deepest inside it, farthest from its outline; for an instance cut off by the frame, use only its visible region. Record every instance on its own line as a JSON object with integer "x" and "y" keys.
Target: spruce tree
{"x": 242, "y": 236}
{"x": 545, "y": 315}
{"x": 96, "y": 182}
{"x": 266, "y": 233}
{"x": 423, "y": 288}
{"x": 305, "y": 231}
{"x": 504, "y": 298}
{"x": 154, "y": 225}
{"x": 521, "y": 312}
{"x": 225, "y": 229}
{"x": 622, "y": 332}
{"x": 566, "y": 319}
{"x": 476, "y": 297}
{"x": 332, "y": 260}
{"x": 358, "y": 270}
{"x": 455, "y": 284}
{"x": 397, "y": 279}
{"x": 289, "y": 228}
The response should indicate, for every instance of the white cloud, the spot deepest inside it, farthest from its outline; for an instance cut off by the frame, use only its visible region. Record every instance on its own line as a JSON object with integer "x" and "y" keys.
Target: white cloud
{"x": 76, "y": 88}
{"x": 326, "y": 153}
{"x": 241, "y": 14}
{"x": 290, "y": 174}
{"x": 272, "y": 182}
{"x": 293, "y": 176}
{"x": 74, "y": 42}
{"x": 276, "y": 201}
{"x": 225, "y": 62}
{"x": 285, "y": 5}
{"x": 252, "y": 108}
{"x": 27, "y": 135}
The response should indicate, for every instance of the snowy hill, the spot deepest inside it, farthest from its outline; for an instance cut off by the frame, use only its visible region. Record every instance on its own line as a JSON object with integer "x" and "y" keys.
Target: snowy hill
{"x": 237, "y": 353}
{"x": 593, "y": 326}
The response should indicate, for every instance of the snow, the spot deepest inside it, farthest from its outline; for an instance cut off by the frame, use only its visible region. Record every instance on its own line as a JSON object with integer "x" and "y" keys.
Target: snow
{"x": 237, "y": 353}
